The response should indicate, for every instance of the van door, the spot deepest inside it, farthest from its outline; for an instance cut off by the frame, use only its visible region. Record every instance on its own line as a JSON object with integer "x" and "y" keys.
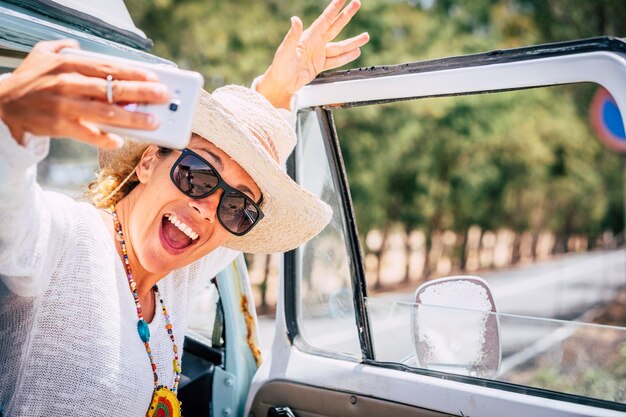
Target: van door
{"x": 342, "y": 346}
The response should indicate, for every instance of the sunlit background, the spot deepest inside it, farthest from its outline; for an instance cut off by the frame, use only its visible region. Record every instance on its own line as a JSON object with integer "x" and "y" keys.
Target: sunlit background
{"x": 234, "y": 41}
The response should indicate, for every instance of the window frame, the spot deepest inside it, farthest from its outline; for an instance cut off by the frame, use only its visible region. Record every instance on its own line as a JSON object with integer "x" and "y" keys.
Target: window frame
{"x": 355, "y": 253}
{"x": 324, "y": 101}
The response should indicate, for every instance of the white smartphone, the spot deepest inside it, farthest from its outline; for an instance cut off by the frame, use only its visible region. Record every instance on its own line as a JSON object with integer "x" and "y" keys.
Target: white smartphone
{"x": 175, "y": 116}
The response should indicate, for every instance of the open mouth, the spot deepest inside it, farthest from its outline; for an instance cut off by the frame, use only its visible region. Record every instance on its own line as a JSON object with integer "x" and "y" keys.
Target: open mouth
{"x": 176, "y": 234}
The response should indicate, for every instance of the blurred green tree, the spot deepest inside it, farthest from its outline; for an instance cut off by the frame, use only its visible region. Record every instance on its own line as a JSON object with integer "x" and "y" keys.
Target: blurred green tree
{"x": 526, "y": 162}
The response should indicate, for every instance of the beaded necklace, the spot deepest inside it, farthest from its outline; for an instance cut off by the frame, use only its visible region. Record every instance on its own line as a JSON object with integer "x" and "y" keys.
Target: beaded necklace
{"x": 164, "y": 401}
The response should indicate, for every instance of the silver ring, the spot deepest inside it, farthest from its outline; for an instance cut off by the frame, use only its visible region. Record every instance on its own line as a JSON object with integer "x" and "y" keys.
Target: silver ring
{"x": 110, "y": 89}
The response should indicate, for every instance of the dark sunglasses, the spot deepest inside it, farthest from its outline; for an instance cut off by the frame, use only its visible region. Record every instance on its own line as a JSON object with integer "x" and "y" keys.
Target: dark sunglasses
{"x": 197, "y": 178}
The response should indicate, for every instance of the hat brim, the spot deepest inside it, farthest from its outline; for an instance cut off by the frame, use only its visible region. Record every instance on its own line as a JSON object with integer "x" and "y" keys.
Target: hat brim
{"x": 292, "y": 215}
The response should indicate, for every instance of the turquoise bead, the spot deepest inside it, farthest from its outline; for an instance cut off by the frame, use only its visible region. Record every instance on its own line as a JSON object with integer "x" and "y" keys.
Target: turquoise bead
{"x": 143, "y": 330}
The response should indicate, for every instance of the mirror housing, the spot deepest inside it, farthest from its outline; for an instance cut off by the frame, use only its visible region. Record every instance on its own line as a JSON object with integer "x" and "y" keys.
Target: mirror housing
{"x": 455, "y": 327}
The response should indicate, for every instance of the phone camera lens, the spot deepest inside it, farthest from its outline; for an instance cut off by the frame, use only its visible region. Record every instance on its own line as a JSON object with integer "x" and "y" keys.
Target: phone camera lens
{"x": 173, "y": 106}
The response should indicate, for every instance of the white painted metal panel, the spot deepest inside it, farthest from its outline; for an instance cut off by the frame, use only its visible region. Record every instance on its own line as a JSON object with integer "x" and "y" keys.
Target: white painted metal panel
{"x": 287, "y": 363}
{"x": 604, "y": 68}
{"x": 114, "y": 12}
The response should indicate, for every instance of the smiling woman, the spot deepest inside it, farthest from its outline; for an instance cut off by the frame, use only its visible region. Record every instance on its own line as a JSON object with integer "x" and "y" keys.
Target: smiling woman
{"x": 174, "y": 220}
{"x": 173, "y": 224}
{"x": 94, "y": 298}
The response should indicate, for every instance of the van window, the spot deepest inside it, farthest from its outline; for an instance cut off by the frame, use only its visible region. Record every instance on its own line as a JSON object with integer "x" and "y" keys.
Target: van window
{"x": 515, "y": 187}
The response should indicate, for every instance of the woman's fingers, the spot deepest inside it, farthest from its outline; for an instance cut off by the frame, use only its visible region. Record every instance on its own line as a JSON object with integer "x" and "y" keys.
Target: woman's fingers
{"x": 91, "y": 134}
{"x": 55, "y": 46}
{"x": 102, "y": 113}
{"x": 342, "y": 20}
{"x": 96, "y": 136}
{"x": 138, "y": 92}
{"x": 52, "y": 125}
{"x": 64, "y": 95}
{"x": 342, "y": 59}
{"x": 327, "y": 17}
{"x": 338, "y": 48}
{"x": 49, "y": 51}
{"x": 73, "y": 84}
{"x": 95, "y": 68}
{"x": 60, "y": 116}
{"x": 292, "y": 37}
{"x": 341, "y": 53}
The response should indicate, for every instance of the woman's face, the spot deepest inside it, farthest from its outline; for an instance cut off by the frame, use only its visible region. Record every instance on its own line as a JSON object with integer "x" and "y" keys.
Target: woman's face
{"x": 161, "y": 213}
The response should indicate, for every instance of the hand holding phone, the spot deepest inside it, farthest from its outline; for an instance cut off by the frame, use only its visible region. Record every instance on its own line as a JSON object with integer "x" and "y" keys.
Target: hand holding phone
{"x": 174, "y": 117}
{"x": 56, "y": 95}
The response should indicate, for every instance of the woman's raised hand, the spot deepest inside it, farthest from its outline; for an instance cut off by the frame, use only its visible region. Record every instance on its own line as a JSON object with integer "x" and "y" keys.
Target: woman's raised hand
{"x": 302, "y": 55}
{"x": 63, "y": 95}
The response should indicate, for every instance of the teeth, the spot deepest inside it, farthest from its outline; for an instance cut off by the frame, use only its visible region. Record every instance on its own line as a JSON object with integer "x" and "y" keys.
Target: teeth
{"x": 183, "y": 227}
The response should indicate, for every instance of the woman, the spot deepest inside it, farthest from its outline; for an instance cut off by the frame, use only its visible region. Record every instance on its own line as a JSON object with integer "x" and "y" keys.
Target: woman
{"x": 85, "y": 329}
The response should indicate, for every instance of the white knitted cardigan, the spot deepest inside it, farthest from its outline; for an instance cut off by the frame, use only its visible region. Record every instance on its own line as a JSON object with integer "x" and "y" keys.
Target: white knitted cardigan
{"x": 68, "y": 327}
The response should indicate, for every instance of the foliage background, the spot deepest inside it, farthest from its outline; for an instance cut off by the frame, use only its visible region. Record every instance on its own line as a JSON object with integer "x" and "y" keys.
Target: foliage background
{"x": 472, "y": 172}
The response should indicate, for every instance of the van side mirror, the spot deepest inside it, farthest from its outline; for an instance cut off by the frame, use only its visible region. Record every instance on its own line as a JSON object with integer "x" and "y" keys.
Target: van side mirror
{"x": 455, "y": 327}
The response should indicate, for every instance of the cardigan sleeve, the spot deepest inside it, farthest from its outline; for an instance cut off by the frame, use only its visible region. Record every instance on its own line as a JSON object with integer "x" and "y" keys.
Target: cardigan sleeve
{"x": 288, "y": 114}
{"x": 31, "y": 232}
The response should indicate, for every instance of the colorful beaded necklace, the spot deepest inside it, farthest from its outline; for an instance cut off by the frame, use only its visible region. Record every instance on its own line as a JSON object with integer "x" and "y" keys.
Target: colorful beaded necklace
{"x": 164, "y": 401}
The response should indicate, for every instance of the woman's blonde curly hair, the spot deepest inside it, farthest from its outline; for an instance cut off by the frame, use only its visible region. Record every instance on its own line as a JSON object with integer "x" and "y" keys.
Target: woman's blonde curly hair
{"x": 117, "y": 177}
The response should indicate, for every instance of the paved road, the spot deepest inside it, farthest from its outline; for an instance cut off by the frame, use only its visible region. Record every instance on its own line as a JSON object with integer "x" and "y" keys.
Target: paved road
{"x": 564, "y": 289}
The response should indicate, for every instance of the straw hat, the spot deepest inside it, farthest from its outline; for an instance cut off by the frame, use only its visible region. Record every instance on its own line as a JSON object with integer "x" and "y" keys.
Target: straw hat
{"x": 242, "y": 123}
